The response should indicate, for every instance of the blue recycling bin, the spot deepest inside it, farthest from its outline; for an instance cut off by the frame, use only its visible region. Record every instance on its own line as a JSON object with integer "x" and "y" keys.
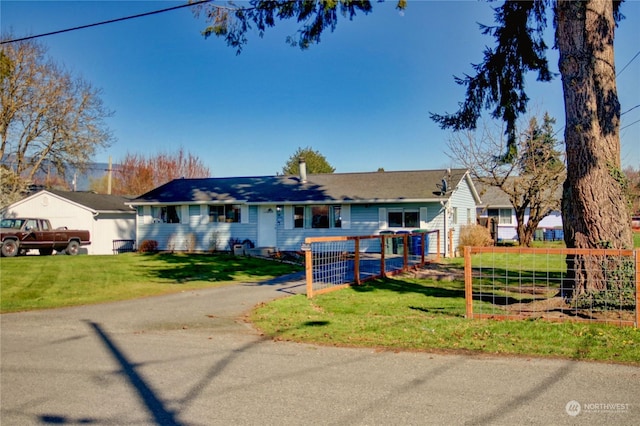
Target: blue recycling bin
{"x": 558, "y": 234}
{"x": 416, "y": 242}
{"x": 548, "y": 235}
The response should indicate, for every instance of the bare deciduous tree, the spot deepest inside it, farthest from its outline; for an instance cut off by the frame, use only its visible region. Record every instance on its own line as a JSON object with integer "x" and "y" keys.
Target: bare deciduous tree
{"x": 136, "y": 174}
{"x": 633, "y": 188}
{"x": 532, "y": 181}
{"x": 48, "y": 117}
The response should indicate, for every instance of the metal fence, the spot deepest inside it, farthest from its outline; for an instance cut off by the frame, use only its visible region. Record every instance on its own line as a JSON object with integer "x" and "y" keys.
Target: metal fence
{"x": 553, "y": 284}
{"x": 124, "y": 246}
{"x": 335, "y": 262}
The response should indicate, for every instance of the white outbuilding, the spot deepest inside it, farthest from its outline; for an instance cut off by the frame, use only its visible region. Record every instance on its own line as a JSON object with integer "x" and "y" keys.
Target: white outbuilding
{"x": 111, "y": 222}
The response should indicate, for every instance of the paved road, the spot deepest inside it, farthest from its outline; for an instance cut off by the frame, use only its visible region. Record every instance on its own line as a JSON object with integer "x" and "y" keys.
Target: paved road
{"x": 189, "y": 359}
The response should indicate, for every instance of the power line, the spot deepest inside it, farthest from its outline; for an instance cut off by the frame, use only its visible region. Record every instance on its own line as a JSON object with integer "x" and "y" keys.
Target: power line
{"x": 628, "y": 63}
{"x": 111, "y": 21}
{"x": 630, "y": 109}
{"x": 630, "y": 124}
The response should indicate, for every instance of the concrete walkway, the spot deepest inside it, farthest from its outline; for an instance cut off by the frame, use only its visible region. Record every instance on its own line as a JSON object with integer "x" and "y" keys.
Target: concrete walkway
{"x": 190, "y": 359}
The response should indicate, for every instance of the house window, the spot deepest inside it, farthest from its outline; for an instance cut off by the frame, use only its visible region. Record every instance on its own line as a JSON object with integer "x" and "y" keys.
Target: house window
{"x": 403, "y": 218}
{"x": 337, "y": 216}
{"x": 319, "y": 216}
{"x": 411, "y": 218}
{"x": 165, "y": 214}
{"x": 233, "y": 213}
{"x": 503, "y": 216}
{"x": 227, "y": 213}
{"x": 454, "y": 215}
{"x": 468, "y": 216}
{"x": 298, "y": 216}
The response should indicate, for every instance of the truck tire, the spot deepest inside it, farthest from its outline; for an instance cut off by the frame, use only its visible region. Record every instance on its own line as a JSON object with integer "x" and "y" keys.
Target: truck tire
{"x": 72, "y": 248}
{"x": 9, "y": 248}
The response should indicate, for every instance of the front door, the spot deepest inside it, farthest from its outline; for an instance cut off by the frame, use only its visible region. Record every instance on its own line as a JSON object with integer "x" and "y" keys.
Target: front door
{"x": 267, "y": 226}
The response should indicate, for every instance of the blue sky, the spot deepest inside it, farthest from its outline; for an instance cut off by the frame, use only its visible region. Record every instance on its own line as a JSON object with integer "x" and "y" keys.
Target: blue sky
{"x": 361, "y": 97}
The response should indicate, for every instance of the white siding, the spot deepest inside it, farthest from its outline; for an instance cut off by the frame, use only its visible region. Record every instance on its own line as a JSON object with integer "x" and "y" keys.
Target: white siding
{"x": 509, "y": 231}
{"x": 345, "y": 214}
{"x": 197, "y": 233}
{"x": 462, "y": 199}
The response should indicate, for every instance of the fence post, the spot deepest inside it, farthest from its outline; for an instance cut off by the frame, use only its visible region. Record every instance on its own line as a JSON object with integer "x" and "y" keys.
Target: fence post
{"x": 308, "y": 268}
{"x": 438, "y": 247}
{"x": 405, "y": 252}
{"x": 636, "y": 254}
{"x": 382, "y": 250}
{"x": 356, "y": 265}
{"x": 468, "y": 282}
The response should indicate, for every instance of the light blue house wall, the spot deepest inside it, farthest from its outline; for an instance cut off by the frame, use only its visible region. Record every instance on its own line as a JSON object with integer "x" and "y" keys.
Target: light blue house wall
{"x": 196, "y": 230}
{"x": 262, "y": 220}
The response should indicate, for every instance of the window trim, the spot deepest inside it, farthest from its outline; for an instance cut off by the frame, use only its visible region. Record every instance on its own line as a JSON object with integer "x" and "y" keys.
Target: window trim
{"x": 232, "y": 213}
{"x": 503, "y": 219}
{"x": 169, "y": 213}
{"x": 403, "y": 212}
{"x": 302, "y": 216}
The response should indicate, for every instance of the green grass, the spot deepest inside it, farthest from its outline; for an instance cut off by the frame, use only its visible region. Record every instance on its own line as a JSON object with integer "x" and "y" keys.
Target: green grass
{"x": 394, "y": 314}
{"x": 425, "y": 315}
{"x": 35, "y": 282}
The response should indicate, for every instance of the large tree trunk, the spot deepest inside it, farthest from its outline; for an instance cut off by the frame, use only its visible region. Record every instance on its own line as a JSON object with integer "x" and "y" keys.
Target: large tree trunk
{"x": 594, "y": 208}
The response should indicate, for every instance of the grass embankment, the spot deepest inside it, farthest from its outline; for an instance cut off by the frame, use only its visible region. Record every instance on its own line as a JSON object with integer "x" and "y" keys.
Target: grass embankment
{"x": 39, "y": 282}
{"x": 428, "y": 315}
{"x": 425, "y": 315}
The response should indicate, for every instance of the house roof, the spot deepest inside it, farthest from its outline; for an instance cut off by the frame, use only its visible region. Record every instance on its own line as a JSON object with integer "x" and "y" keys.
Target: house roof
{"x": 100, "y": 203}
{"x": 492, "y": 196}
{"x": 400, "y": 186}
{"x": 495, "y": 197}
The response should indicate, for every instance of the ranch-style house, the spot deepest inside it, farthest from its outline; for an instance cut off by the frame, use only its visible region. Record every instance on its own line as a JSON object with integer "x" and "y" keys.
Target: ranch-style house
{"x": 276, "y": 213}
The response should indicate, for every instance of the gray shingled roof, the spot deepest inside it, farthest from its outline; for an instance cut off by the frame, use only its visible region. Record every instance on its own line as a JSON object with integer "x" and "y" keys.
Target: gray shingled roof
{"x": 355, "y": 187}
{"x": 492, "y": 196}
{"x": 97, "y": 202}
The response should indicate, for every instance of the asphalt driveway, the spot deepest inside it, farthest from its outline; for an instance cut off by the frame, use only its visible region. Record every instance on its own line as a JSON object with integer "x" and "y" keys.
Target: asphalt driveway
{"x": 190, "y": 359}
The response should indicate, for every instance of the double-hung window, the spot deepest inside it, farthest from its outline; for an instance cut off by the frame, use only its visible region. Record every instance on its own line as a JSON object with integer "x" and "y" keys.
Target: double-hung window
{"x": 503, "y": 216}
{"x": 229, "y": 213}
{"x": 403, "y": 218}
{"x": 317, "y": 216}
{"x": 166, "y": 214}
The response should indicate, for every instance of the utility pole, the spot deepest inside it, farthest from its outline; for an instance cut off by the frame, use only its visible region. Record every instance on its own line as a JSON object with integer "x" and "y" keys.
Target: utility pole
{"x": 109, "y": 173}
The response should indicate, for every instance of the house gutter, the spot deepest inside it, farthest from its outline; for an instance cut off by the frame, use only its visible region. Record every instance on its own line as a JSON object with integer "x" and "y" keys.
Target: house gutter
{"x": 444, "y": 203}
{"x": 99, "y": 212}
{"x": 346, "y": 201}
{"x": 182, "y": 203}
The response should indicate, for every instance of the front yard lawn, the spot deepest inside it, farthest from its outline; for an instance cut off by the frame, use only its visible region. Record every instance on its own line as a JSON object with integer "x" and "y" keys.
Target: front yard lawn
{"x": 39, "y": 282}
